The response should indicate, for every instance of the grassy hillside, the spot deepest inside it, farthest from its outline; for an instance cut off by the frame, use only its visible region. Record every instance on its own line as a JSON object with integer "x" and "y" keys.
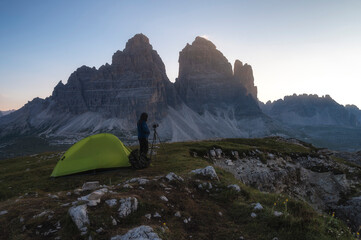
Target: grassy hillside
{"x": 26, "y": 190}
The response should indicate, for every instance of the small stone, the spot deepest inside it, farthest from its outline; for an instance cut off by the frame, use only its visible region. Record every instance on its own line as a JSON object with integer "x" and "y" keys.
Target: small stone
{"x": 177, "y": 214}
{"x": 65, "y": 205}
{"x": 220, "y": 214}
{"x": 99, "y": 230}
{"x": 21, "y": 219}
{"x": 187, "y": 220}
{"x": 258, "y": 206}
{"x": 68, "y": 193}
{"x": 127, "y": 185}
{"x": 23, "y": 228}
{"x": 156, "y": 215}
{"x": 43, "y": 214}
{"x": 277, "y": 214}
{"x": 140, "y": 181}
{"x": 149, "y": 216}
{"x": 253, "y": 215}
{"x": 90, "y": 185}
{"x": 111, "y": 202}
{"x": 164, "y": 198}
{"x": 53, "y": 196}
{"x": 218, "y": 152}
{"x": 94, "y": 198}
{"x": 235, "y": 187}
{"x": 229, "y": 162}
{"x": 114, "y": 222}
{"x": 173, "y": 177}
{"x": 3, "y": 212}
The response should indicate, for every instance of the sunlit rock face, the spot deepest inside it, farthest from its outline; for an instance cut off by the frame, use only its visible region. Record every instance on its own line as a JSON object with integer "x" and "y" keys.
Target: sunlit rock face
{"x": 206, "y": 81}
{"x": 135, "y": 82}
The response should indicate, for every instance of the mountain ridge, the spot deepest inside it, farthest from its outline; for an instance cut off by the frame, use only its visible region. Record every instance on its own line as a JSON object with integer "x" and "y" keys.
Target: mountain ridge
{"x": 209, "y": 99}
{"x": 112, "y": 97}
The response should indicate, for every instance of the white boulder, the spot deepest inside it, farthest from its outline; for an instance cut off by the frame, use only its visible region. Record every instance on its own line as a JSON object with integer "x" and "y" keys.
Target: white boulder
{"x": 79, "y": 216}
{"x": 127, "y": 206}
{"x": 139, "y": 233}
{"x": 173, "y": 177}
{"x": 94, "y": 198}
{"x": 207, "y": 172}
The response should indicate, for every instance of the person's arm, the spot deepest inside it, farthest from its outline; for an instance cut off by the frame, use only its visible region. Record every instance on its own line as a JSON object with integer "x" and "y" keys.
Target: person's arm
{"x": 145, "y": 128}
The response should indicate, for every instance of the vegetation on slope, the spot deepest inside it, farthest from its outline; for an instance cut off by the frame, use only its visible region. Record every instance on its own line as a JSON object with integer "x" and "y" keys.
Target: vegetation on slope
{"x": 26, "y": 190}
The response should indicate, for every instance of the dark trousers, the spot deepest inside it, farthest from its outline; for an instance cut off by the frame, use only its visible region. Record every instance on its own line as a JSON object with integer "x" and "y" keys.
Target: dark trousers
{"x": 143, "y": 145}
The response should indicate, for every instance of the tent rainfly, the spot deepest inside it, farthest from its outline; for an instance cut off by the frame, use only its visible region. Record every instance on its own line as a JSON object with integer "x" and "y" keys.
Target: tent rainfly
{"x": 102, "y": 150}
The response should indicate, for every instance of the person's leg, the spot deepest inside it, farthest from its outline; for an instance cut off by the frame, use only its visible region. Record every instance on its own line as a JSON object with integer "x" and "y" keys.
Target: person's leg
{"x": 146, "y": 146}
{"x": 143, "y": 145}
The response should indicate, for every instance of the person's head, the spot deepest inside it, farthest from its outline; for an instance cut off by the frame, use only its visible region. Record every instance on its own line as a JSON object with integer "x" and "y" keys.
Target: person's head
{"x": 143, "y": 117}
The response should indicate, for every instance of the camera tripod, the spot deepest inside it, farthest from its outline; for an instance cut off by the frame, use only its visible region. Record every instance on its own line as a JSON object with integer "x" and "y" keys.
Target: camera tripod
{"x": 154, "y": 141}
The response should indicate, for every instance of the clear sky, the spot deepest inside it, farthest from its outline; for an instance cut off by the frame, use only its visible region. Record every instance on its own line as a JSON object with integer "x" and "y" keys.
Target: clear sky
{"x": 308, "y": 46}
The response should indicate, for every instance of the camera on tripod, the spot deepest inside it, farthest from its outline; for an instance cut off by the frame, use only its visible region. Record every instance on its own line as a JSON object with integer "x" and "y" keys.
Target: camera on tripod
{"x": 155, "y": 125}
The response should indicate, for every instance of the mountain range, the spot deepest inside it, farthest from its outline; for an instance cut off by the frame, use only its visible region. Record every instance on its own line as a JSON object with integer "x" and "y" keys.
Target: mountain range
{"x": 209, "y": 99}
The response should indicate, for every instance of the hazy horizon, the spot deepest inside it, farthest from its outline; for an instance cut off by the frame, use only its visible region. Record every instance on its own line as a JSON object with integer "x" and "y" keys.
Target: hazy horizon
{"x": 293, "y": 47}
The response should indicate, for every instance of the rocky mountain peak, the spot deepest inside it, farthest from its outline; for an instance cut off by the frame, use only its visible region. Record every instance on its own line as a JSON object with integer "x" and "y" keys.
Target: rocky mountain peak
{"x": 203, "y": 43}
{"x": 138, "y": 42}
{"x": 244, "y": 74}
{"x": 203, "y": 58}
{"x": 206, "y": 80}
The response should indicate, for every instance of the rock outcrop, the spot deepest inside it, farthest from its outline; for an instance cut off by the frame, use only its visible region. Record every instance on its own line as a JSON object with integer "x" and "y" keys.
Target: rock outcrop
{"x": 142, "y": 232}
{"x": 206, "y": 81}
{"x": 244, "y": 74}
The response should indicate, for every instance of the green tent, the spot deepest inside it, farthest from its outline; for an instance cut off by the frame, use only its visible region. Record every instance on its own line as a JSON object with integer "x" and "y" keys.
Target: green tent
{"x": 102, "y": 150}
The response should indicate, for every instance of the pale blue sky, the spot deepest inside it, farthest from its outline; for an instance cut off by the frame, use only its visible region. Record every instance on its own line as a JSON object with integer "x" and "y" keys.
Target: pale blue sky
{"x": 293, "y": 46}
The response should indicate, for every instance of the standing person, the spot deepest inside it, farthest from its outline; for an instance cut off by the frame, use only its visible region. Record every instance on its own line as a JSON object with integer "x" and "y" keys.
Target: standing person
{"x": 143, "y": 133}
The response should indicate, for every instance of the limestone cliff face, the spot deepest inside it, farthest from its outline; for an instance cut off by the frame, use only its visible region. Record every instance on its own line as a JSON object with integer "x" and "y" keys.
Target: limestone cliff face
{"x": 136, "y": 81}
{"x": 244, "y": 74}
{"x": 206, "y": 80}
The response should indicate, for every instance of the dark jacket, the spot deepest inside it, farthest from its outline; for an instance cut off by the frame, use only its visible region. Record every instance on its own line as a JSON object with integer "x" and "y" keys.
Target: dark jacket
{"x": 143, "y": 130}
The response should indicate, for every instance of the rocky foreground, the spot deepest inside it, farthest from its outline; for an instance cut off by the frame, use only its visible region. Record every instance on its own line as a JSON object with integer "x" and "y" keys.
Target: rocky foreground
{"x": 326, "y": 182}
{"x": 188, "y": 193}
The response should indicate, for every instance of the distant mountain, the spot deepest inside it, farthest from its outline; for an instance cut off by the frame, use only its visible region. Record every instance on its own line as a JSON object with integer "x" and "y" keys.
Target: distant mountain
{"x": 321, "y": 120}
{"x": 208, "y": 100}
{"x": 311, "y": 110}
{"x": 3, "y": 113}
